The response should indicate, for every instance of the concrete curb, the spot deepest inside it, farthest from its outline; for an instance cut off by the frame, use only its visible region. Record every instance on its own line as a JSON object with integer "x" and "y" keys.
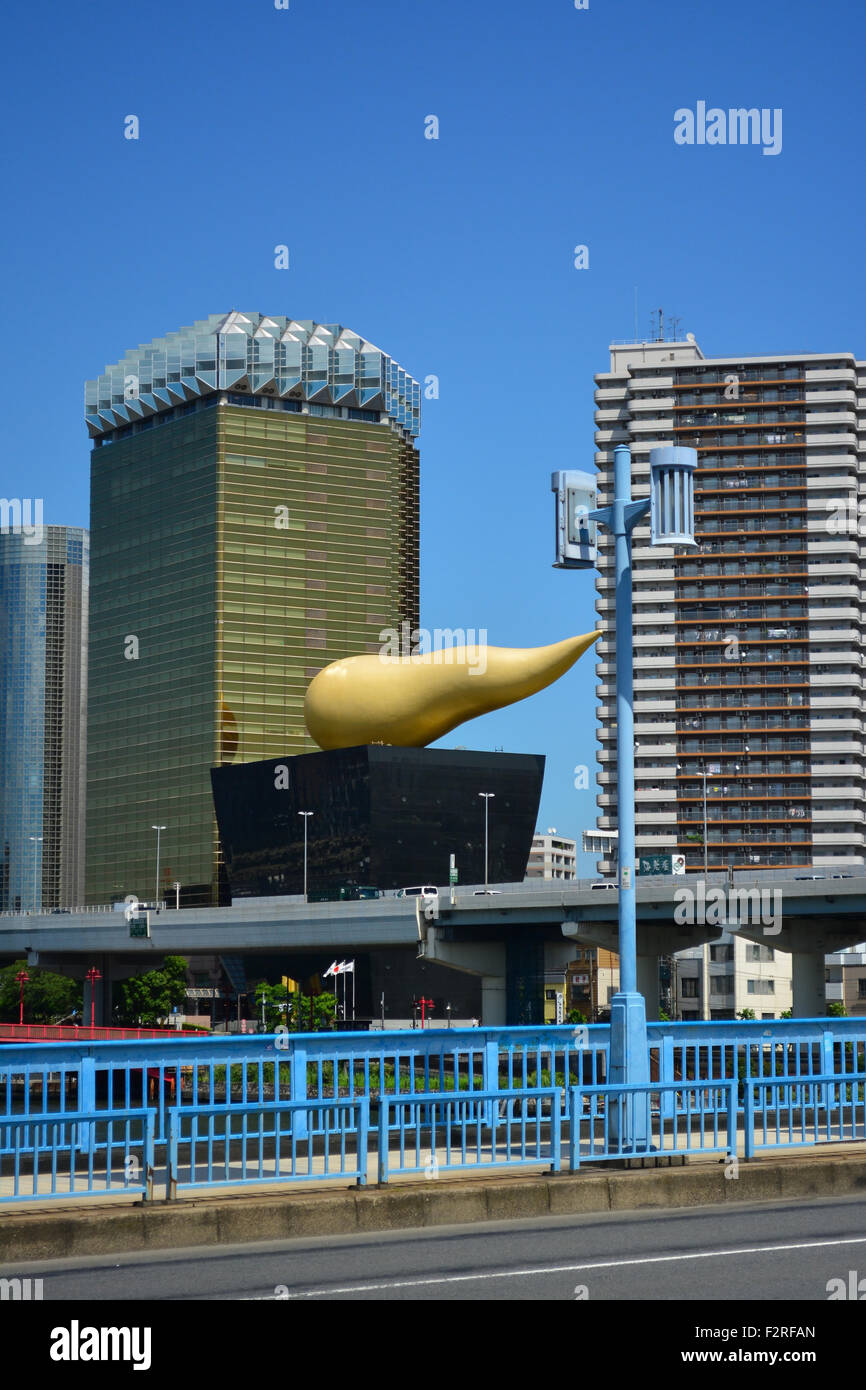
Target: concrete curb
{"x": 221, "y": 1220}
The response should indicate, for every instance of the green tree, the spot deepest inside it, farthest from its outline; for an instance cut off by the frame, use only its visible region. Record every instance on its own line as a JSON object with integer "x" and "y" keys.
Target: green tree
{"x": 47, "y": 996}
{"x": 746, "y": 1013}
{"x": 837, "y": 1009}
{"x": 298, "y": 1019}
{"x": 575, "y": 1016}
{"x": 149, "y": 999}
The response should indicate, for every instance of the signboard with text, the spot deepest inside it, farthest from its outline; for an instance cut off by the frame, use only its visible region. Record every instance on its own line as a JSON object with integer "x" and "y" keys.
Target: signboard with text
{"x": 661, "y": 864}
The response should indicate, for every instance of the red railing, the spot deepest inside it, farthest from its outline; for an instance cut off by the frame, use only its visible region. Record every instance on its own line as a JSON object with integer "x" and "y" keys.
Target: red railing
{"x": 72, "y": 1032}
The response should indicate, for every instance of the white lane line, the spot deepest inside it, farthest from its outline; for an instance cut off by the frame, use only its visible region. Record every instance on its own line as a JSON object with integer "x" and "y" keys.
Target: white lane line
{"x": 573, "y": 1269}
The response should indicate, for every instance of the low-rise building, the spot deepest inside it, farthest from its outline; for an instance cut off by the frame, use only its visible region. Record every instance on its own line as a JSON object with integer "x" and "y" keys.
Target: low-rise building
{"x": 737, "y": 974}
{"x": 552, "y": 856}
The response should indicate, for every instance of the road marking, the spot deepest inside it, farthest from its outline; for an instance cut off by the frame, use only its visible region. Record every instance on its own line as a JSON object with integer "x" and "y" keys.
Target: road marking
{"x": 572, "y": 1269}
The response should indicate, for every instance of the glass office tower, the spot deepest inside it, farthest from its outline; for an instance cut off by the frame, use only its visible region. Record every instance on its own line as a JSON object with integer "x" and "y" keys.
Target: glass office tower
{"x": 43, "y": 697}
{"x": 254, "y": 516}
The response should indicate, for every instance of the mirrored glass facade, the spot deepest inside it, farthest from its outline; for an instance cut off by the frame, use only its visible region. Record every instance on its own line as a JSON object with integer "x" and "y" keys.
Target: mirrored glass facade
{"x": 241, "y": 541}
{"x": 43, "y": 672}
{"x": 383, "y": 817}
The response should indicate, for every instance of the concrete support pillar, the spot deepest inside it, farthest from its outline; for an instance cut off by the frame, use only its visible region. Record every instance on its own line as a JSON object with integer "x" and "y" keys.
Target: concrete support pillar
{"x": 809, "y": 984}
{"x": 493, "y": 1001}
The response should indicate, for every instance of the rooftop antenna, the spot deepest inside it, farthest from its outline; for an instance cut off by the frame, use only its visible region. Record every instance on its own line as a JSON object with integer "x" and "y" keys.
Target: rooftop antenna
{"x": 675, "y": 320}
{"x": 661, "y": 314}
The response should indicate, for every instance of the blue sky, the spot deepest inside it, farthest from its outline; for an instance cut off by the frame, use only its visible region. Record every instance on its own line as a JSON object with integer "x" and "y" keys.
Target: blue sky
{"x": 305, "y": 126}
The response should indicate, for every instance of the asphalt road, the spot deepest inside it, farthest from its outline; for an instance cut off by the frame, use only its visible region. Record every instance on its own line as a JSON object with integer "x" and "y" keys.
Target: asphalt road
{"x": 763, "y": 1252}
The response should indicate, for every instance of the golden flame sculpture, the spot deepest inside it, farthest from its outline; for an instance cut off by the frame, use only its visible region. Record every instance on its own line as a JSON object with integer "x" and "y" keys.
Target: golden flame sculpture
{"x": 411, "y": 701}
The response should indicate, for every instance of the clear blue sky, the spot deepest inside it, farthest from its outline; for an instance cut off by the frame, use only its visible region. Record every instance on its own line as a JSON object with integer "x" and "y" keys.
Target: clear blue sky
{"x": 306, "y": 127}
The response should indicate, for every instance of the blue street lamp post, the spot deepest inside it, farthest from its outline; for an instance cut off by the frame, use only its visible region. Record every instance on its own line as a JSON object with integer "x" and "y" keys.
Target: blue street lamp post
{"x": 672, "y": 520}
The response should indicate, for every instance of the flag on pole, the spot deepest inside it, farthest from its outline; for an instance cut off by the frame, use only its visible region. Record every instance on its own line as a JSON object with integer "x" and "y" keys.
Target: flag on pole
{"x": 333, "y": 969}
{"x": 347, "y": 967}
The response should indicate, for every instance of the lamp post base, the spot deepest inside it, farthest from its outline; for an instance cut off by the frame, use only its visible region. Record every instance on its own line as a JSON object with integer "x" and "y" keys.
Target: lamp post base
{"x": 629, "y": 1066}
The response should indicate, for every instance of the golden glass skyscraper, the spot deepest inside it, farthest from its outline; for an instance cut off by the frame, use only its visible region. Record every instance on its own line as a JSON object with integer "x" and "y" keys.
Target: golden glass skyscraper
{"x": 254, "y": 516}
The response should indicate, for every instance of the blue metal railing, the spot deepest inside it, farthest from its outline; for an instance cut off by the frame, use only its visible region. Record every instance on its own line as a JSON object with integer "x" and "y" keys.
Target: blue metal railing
{"x": 81, "y": 1154}
{"x": 487, "y": 1130}
{"x": 616, "y": 1122}
{"x": 263, "y": 1143}
{"x": 193, "y": 1084}
{"x": 780, "y": 1113}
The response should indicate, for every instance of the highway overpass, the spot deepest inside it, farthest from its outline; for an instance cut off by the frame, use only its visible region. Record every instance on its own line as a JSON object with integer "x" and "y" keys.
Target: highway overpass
{"x": 808, "y": 917}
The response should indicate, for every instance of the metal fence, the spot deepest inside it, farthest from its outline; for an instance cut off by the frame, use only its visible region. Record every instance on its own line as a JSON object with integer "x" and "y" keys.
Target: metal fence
{"x": 83, "y": 1154}
{"x": 447, "y": 1133}
{"x": 303, "y": 1107}
{"x": 793, "y": 1114}
{"x": 617, "y": 1122}
{"x": 212, "y": 1146}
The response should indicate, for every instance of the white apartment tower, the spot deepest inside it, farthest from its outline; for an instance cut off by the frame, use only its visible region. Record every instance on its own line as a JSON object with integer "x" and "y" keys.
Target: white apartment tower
{"x": 748, "y": 649}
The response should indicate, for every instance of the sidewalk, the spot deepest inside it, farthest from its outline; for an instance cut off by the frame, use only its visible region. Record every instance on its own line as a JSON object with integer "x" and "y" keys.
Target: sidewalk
{"x": 95, "y": 1227}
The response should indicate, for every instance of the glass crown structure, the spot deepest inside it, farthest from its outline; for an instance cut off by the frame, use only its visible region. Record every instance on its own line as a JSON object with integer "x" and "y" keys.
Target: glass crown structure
{"x": 256, "y": 354}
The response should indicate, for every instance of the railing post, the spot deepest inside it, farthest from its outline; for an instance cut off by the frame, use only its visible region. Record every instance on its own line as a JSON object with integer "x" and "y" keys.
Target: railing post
{"x": 667, "y": 1099}
{"x": 574, "y": 1128}
{"x": 827, "y": 1067}
{"x": 490, "y": 1077}
{"x": 171, "y": 1156}
{"x": 749, "y": 1118}
{"x": 382, "y": 1155}
{"x": 148, "y": 1156}
{"x": 363, "y": 1104}
{"x": 298, "y": 1087}
{"x": 556, "y": 1133}
{"x": 732, "y": 1145}
{"x": 87, "y": 1100}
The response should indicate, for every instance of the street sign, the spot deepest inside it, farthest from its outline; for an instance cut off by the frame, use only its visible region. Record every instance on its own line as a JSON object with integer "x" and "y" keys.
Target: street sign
{"x": 140, "y": 925}
{"x": 657, "y": 864}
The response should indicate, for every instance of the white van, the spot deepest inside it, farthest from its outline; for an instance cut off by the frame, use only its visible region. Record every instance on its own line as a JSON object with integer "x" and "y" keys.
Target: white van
{"x": 427, "y": 891}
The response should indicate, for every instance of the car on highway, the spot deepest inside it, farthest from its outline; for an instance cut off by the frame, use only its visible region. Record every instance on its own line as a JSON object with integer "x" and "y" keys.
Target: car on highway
{"x": 605, "y": 883}
{"x": 427, "y": 891}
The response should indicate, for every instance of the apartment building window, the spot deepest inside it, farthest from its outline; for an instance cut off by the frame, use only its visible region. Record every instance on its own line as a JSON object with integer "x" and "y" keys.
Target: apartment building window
{"x": 861, "y": 987}
{"x": 760, "y": 986}
{"x": 689, "y": 988}
{"x": 760, "y": 953}
{"x": 721, "y": 953}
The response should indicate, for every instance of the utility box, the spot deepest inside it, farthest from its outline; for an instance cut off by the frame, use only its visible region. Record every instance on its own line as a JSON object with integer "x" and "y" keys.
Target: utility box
{"x": 672, "y": 495}
{"x": 576, "y": 535}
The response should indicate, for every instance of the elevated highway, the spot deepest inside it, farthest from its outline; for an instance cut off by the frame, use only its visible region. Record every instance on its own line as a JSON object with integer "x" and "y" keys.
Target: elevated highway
{"x": 808, "y": 917}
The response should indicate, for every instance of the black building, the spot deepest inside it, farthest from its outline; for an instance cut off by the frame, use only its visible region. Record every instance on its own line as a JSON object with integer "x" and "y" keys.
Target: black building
{"x": 383, "y": 817}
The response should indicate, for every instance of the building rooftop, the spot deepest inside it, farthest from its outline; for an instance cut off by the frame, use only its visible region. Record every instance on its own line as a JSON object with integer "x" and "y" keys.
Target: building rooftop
{"x": 257, "y": 355}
